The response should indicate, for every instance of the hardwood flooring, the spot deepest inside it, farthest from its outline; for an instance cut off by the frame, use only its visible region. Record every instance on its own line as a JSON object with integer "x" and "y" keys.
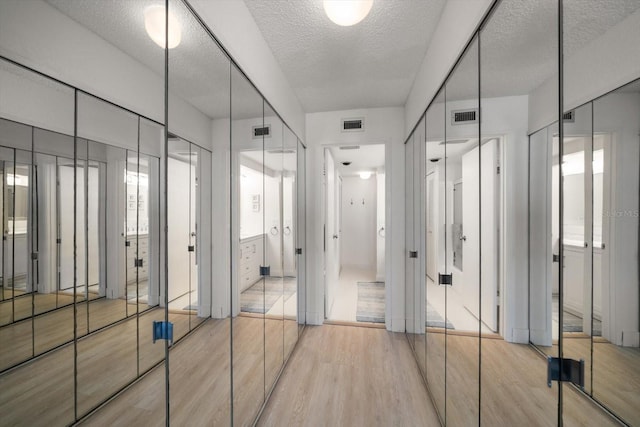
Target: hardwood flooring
{"x": 33, "y": 336}
{"x": 514, "y": 385}
{"x": 200, "y": 378}
{"x": 350, "y": 376}
{"x": 41, "y": 392}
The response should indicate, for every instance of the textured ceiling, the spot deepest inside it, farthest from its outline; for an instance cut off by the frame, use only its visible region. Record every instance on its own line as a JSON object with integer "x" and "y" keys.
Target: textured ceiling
{"x": 519, "y": 47}
{"x": 365, "y": 158}
{"x": 371, "y": 64}
{"x": 198, "y": 71}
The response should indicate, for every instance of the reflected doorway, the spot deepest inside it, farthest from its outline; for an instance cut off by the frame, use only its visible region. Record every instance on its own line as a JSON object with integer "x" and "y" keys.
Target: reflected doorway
{"x": 354, "y": 207}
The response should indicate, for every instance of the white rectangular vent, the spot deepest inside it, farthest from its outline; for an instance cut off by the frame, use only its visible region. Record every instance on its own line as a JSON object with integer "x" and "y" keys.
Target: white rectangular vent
{"x": 464, "y": 117}
{"x": 350, "y": 147}
{"x": 353, "y": 125}
{"x": 569, "y": 116}
{"x": 261, "y": 132}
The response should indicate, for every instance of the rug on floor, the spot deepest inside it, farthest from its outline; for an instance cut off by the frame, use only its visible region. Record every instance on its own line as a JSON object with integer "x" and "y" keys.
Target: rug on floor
{"x": 435, "y": 320}
{"x": 370, "y": 302}
{"x": 260, "y": 297}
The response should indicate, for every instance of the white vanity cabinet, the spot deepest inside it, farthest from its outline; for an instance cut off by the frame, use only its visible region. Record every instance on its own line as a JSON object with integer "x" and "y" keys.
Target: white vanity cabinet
{"x": 251, "y": 256}
{"x": 141, "y": 248}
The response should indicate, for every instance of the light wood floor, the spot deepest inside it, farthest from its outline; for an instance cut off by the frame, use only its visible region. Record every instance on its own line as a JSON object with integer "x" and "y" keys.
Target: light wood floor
{"x": 616, "y": 375}
{"x": 350, "y": 376}
{"x": 514, "y": 385}
{"x": 41, "y": 392}
{"x": 31, "y": 337}
{"x": 200, "y": 378}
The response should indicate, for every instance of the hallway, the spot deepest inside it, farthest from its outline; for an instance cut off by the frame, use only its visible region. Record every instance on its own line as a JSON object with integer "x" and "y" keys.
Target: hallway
{"x": 350, "y": 376}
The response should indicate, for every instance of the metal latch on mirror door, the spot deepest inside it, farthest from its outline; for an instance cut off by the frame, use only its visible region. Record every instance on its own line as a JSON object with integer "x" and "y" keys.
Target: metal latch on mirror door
{"x": 265, "y": 271}
{"x": 138, "y": 262}
{"x": 162, "y": 331}
{"x": 567, "y": 370}
{"x": 413, "y": 254}
{"x": 445, "y": 279}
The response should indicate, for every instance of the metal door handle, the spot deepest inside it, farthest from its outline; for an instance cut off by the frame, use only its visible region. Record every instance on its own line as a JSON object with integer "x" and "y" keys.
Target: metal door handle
{"x": 335, "y": 236}
{"x": 463, "y": 238}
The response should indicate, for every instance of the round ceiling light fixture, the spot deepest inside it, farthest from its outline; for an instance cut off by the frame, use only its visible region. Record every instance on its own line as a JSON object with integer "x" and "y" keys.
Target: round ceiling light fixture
{"x": 365, "y": 174}
{"x": 347, "y": 12}
{"x": 155, "y": 22}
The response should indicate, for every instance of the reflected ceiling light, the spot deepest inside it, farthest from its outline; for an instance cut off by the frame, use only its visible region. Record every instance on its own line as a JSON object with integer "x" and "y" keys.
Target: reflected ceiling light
{"x": 155, "y": 22}
{"x": 365, "y": 174}
{"x": 347, "y": 12}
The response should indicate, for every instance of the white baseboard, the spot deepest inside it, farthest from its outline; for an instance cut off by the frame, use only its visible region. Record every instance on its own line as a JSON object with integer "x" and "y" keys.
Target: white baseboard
{"x": 398, "y": 324}
{"x": 315, "y": 318}
{"x": 540, "y": 337}
{"x": 631, "y": 339}
{"x": 520, "y": 336}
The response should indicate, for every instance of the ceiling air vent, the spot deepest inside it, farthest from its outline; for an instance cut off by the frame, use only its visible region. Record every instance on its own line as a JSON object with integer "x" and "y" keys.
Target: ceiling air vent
{"x": 352, "y": 125}
{"x": 464, "y": 117}
{"x": 261, "y": 132}
{"x": 569, "y": 116}
{"x": 350, "y": 147}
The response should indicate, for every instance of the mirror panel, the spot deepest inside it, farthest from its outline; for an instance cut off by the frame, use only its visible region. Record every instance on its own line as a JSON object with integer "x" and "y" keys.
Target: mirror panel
{"x": 615, "y": 188}
{"x": 420, "y": 231}
{"x": 301, "y": 234}
{"x": 32, "y": 108}
{"x": 273, "y": 187}
{"x": 434, "y": 253}
{"x": 290, "y": 239}
{"x": 247, "y": 249}
{"x": 462, "y": 243}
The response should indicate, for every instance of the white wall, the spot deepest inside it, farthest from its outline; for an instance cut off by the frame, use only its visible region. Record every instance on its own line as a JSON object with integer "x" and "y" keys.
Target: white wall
{"x": 504, "y": 117}
{"x": 359, "y": 206}
{"x": 78, "y": 56}
{"x": 233, "y": 25}
{"x": 458, "y": 21}
{"x": 380, "y": 223}
{"x": 599, "y": 67}
{"x": 383, "y": 126}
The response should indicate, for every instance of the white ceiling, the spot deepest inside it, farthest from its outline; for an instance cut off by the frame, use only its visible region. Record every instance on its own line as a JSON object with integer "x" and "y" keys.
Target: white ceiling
{"x": 371, "y": 64}
{"x": 519, "y": 46}
{"x": 364, "y": 158}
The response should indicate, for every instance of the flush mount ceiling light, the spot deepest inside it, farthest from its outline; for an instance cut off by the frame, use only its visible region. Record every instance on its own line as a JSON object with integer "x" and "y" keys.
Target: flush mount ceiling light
{"x": 155, "y": 22}
{"x": 347, "y": 12}
{"x": 365, "y": 174}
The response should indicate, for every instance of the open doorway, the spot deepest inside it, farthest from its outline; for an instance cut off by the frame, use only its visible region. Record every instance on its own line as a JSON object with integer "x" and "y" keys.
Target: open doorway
{"x": 354, "y": 233}
{"x": 459, "y": 183}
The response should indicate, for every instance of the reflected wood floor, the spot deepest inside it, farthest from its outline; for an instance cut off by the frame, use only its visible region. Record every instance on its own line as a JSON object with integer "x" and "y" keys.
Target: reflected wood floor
{"x": 350, "y": 376}
{"x": 514, "y": 385}
{"x": 41, "y": 392}
{"x": 33, "y": 336}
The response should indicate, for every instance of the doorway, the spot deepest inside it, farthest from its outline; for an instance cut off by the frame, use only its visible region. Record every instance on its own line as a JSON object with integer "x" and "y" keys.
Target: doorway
{"x": 354, "y": 233}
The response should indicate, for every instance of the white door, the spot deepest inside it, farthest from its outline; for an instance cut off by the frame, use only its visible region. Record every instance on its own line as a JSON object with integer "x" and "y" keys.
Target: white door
{"x": 430, "y": 226}
{"x": 331, "y": 233}
{"x": 472, "y": 240}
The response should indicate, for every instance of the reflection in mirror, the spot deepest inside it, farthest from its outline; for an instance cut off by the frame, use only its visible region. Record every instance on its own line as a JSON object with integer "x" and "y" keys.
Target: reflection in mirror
{"x": 519, "y": 96}
{"x": 615, "y": 187}
{"x": 248, "y": 245}
{"x": 101, "y": 128}
{"x": 35, "y": 312}
{"x": 301, "y": 238}
{"x": 434, "y": 252}
{"x": 461, "y": 158}
{"x": 409, "y": 234}
{"x": 577, "y": 239}
{"x": 419, "y": 162}
{"x": 274, "y": 240}
{"x": 290, "y": 230}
